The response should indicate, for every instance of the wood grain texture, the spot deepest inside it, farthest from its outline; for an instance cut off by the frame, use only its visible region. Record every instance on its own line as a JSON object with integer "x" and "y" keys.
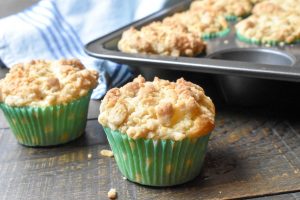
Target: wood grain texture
{"x": 250, "y": 154}
{"x": 292, "y": 196}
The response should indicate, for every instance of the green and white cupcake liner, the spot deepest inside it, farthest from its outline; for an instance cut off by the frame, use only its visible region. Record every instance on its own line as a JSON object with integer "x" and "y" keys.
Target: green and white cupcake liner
{"x": 208, "y": 36}
{"x": 260, "y": 42}
{"x": 157, "y": 162}
{"x": 233, "y": 18}
{"x": 47, "y": 126}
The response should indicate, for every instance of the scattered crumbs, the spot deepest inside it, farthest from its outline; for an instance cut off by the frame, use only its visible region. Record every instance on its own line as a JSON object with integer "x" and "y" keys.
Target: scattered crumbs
{"x": 124, "y": 178}
{"x": 226, "y": 41}
{"x": 267, "y": 45}
{"x": 285, "y": 175}
{"x": 89, "y": 156}
{"x": 107, "y": 153}
{"x": 112, "y": 193}
{"x": 281, "y": 44}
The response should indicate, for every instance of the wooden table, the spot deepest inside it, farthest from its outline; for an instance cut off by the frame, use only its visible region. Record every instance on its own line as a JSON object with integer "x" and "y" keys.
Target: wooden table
{"x": 253, "y": 153}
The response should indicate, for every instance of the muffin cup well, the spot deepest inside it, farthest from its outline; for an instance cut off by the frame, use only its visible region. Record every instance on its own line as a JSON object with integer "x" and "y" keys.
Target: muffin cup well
{"x": 47, "y": 126}
{"x": 208, "y": 36}
{"x": 157, "y": 162}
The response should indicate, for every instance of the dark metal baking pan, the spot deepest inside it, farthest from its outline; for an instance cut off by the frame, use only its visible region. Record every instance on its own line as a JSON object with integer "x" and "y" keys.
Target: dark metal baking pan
{"x": 245, "y": 74}
{"x": 286, "y": 67}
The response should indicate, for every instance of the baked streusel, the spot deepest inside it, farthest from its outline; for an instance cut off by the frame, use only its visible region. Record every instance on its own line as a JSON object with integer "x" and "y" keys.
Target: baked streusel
{"x": 158, "y": 110}
{"x": 273, "y": 7}
{"x": 270, "y": 28}
{"x": 227, "y": 8}
{"x": 46, "y": 83}
{"x": 164, "y": 39}
{"x": 256, "y": 1}
{"x": 201, "y": 24}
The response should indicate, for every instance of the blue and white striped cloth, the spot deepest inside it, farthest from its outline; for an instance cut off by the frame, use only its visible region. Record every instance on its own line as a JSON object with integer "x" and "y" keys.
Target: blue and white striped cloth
{"x": 54, "y": 29}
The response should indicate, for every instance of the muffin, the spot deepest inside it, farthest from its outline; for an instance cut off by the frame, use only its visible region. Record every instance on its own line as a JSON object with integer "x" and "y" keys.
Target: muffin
{"x": 206, "y": 25}
{"x": 162, "y": 39}
{"x": 256, "y": 1}
{"x": 231, "y": 9}
{"x": 158, "y": 131}
{"x": 274, "y": 7}
{"x": 46, "y": 102}
{"x": 269, "y": 29}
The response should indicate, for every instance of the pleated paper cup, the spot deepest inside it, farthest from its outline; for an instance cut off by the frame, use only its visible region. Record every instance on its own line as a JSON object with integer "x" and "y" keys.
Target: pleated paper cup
{"x": 157, "y": 162}
{"x": 208, "y": 36}
{"x": 243, "y": 38}
{"x": 233, "y": 18}
{"x": 48, "y": 126}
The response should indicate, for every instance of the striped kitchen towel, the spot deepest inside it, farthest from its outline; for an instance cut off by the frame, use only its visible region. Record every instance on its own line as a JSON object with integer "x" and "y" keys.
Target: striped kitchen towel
{"x": 54, "y": 29}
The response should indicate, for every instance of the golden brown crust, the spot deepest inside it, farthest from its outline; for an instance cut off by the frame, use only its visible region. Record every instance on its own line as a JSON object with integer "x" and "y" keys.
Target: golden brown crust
{"x": 274, "y": 7}
{"x": 170, "y": 39}
{"x": 282, "y": 27}
{"x": 199, "y": 23}
{"x": 256, "y": 1}
{"x": 158, "y": 110}
{"x": 238, "y": 8}
{"x": 46, "y": 83}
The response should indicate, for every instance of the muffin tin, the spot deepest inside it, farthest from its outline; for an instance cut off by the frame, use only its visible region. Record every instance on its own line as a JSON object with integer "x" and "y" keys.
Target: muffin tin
{"x": 226, "y": 56}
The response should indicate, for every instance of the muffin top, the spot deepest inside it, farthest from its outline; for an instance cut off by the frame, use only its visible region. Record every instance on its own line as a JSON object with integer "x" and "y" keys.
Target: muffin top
{"x": 158, "y": 110}
{"x": 273, "y": 7}
{"x": 172, "y": 39}
{"x": 46, "y": 83}
{"x": 282, "y": 27}
{"x": 238, "y": 8}
{"x": 256, "y": 1}
{"x": 200, "y": 23}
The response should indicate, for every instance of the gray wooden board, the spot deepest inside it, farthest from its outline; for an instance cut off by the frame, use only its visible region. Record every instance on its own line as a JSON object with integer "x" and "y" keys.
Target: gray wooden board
{"x": 250, "y": 154}
{"x": 291, "y": 196}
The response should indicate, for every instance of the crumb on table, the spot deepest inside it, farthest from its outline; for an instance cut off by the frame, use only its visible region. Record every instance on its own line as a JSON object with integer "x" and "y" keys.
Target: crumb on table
{"x": 112, "y": 193}
{"x": 107, "y": 153}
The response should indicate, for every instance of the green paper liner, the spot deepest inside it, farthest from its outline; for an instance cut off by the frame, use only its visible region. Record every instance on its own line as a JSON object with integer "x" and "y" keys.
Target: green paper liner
{"x": 259, "y": 42}
{"x": 48, "y": 126}
{"x": 233, "y": 18}
{"x": 222, "y": 33}
{"x": 157, "y": 162}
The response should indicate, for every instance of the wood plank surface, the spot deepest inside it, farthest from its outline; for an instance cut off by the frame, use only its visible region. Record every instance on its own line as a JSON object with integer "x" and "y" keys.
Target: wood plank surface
{"x": 250, "y": 154}
{"x": 291, "y": 196}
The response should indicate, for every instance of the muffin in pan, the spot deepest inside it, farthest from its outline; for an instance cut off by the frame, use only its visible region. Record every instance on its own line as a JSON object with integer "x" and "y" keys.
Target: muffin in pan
{"x": 46, "y": 102}
{"x": 206, "y": 25}
{"x": 274, "y": 7}
{"x": 171, "y": 39}
{"x": 231, "y": 9}
{"x": 256, "y": 1}
{"x": 158, "y": 130}
{"x": 269, "y": 29}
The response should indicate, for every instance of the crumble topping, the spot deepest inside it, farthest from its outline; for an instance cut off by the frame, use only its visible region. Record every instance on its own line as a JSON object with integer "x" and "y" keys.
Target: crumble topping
{"x": 199, "y": 23}
{"x": 267, "y": 28}
{"x": 46, "y": 83}
{"x": 238, "y": 8}
{"x": 158, "y": 110}
{"x": 170, "y": 39}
